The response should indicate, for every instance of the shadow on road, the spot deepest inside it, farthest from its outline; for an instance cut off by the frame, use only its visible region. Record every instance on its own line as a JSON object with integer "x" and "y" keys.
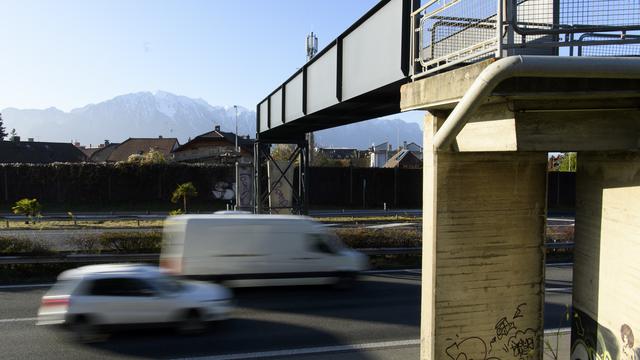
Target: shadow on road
{"x": 230, "y": 337}
{"x": 384, "y": 299}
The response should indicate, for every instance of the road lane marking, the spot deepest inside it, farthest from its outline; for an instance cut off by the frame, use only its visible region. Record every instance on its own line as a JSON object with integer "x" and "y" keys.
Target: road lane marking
{"x": 373, "y": 272}
{"x": 311, "y": 350}
{"x": 558, "y": 289}
{"x": 561, "y": 220}
{"x": 18, "y": 319}
{"x": 337, "y": 348}
{"x": 388, "y": 226}
{"x": 24, "y": 286}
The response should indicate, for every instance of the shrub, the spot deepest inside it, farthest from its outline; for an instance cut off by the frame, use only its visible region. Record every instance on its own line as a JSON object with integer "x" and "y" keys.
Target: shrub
{"x": 17, "y": 246}
{"x": 131, "y": 242}
{"x": 381, "y": 238}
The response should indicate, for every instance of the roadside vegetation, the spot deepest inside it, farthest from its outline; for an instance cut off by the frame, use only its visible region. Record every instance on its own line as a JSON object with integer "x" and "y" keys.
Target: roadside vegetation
{"x": 74, "y": 222}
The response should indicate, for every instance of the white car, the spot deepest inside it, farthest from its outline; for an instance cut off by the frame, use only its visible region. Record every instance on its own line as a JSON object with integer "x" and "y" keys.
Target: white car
{"x": 91, "y": 297}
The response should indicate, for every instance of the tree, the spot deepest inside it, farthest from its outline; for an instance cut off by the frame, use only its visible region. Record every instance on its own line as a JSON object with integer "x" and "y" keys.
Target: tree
{"x": 3, "y": 134}
{"x": 27, "y": 207}
{"x": 135, "y": 159}
{"x": 282, "y": 151}
{"x": 184, "y": 191}
{"x": 153, "y": 156}
{"x": 569, "y": 162}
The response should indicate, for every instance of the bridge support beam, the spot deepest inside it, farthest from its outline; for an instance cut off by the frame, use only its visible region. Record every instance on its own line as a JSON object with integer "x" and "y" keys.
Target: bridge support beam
{"x": 607, "y": 256}
{"x": 281, "y": 186}
{"x": 483, "y": 259}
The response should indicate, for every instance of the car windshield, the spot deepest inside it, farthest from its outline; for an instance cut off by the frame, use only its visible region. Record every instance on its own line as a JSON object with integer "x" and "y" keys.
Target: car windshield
{"x": 169, "y": 284}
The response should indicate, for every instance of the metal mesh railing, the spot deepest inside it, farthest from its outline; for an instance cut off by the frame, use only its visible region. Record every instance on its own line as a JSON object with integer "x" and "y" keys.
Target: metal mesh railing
{"x": 455, "y": 31}
{"x": 621, "y": 49}
{"x": 535, "y": 17}
{"x": 458, "y": 32}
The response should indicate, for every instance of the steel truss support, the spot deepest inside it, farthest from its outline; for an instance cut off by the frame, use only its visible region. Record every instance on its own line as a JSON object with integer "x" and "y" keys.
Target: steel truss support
{"x": 298, "y": 160}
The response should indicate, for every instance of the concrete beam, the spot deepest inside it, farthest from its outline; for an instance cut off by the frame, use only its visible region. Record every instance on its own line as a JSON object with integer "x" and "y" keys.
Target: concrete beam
{"x": 442, "y": 91}
{"x": 606, "y": 274}
{"x": 498, "y": 127}
{"x": 483, "y": 254}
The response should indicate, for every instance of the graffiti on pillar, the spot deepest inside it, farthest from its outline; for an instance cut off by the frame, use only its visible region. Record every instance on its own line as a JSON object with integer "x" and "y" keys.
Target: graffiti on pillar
{"x": 629, "y": 352}
{"x": 509, "y": 342}
{"x": 590, "y": 341}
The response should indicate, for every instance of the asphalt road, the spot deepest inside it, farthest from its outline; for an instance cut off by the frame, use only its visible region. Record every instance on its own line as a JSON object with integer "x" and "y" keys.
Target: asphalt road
{"x": 378, "y": 319}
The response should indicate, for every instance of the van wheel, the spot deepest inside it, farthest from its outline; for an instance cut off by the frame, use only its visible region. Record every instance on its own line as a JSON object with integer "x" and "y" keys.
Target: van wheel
{"x": 345, "y": 281}
{"x": 192, "y": 323}
{"x": 85, "y": 330}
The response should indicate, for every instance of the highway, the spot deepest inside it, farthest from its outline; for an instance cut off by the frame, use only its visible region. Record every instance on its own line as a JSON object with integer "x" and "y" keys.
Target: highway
{"x": 378, "y": 319}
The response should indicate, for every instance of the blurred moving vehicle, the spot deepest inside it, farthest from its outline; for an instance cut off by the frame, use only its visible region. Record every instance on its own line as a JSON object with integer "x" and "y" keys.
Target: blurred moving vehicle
{"x": 258, "y": 250}
{"x": 91, "y": 297}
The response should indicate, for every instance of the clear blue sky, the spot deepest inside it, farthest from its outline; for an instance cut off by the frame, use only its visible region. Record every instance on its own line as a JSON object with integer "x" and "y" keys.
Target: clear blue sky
{"x": 68, "y": 53}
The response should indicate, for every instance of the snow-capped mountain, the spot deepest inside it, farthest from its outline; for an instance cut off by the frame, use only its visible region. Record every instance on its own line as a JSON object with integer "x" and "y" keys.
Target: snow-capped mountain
{"x": 146, "y": 114}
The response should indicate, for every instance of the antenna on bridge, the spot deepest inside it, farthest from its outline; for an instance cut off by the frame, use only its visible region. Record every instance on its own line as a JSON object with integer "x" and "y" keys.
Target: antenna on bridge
{"x": 312, "y": 45}
{"x": 312, "y": 50}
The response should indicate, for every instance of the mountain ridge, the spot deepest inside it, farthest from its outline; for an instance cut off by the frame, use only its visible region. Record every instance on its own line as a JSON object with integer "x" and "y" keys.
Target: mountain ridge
{"x": 161, "y": 113}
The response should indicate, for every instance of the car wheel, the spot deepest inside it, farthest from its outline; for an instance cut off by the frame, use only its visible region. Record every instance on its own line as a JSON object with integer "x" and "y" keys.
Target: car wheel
{"x": 85, "y": 330}
{"x": 192, "y": 323}
{"x": 345, "y": 281}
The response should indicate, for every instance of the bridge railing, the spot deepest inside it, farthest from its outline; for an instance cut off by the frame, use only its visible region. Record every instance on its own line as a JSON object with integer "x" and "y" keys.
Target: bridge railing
{"x": 449, "y": 33}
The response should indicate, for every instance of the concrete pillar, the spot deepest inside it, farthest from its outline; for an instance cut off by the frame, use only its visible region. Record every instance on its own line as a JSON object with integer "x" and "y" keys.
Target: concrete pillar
{"x": 483, "y": 253}
{"x": 606, "y": 276}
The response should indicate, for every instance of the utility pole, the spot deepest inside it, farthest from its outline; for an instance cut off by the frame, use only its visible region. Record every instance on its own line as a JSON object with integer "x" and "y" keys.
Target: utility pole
{"x": 237, "y": 163}
{"x": 236, "y": 108}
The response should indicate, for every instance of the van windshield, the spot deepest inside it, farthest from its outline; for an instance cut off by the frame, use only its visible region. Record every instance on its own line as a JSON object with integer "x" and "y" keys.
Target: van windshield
{"x": 334, "y": 242}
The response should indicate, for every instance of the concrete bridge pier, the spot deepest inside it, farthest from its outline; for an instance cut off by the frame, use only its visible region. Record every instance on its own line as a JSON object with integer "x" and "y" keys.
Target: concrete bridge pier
{"x": 483, "y": 252}
{"x": 606, "y": 292}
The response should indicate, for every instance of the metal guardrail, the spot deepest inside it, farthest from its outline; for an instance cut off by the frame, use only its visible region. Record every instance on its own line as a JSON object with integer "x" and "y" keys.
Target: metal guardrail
{"x": 457, "y": 32}
{"x": 77, "y": 259}
{"x": 114, "y": 258}
{"x": 82, "y": 217}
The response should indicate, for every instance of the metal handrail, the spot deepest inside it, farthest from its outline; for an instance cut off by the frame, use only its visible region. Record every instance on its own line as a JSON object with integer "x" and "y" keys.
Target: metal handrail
{"x": 152, "y": 257}
{"x": 510, "y": 37}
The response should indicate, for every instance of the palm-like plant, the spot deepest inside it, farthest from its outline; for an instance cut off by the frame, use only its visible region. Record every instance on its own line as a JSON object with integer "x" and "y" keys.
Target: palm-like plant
{"x": 184, "y": 191}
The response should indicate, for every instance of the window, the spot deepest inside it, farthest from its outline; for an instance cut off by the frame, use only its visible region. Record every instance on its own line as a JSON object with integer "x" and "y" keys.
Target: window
{"x": 120, "y": 287}
{"x": 318, "y": 244}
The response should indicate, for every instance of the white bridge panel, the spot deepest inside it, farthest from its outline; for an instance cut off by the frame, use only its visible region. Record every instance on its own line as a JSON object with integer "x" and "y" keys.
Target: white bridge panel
{"x": 276, "y": 109}
{"x": 293, "y": 99}
{"x": 372, "y": 52}
{"x": 321, "y": 81}
{"x": 264, "y": 116}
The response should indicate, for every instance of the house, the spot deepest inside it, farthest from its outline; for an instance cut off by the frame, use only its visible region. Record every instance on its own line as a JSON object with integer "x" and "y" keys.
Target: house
{"x": 414, "y": 148}
{"x": 215, "y": 147}
{"x": 338, "y": 153}
{"x": 103, "y": 152}
{"x": 379, "y": 154}
{"x": 404, "y": 159}
{"x": 35, "y": 152}
{"x": 140, "y": 146}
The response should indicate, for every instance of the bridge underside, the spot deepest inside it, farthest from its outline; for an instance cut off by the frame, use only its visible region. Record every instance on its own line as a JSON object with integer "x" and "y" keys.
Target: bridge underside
{"x": 381, "y": 102}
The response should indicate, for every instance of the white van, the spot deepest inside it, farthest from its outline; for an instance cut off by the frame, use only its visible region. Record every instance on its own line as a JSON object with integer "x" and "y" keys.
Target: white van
{"x": 257, "y": 250}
